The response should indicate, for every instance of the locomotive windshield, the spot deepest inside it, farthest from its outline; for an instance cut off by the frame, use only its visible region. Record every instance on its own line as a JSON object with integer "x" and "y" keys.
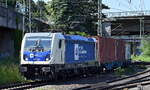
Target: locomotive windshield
{"x": 38, "y": 44}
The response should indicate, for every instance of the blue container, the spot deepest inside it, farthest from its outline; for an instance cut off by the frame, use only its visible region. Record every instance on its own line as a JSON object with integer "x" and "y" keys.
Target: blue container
{"x": 79, "y": 49}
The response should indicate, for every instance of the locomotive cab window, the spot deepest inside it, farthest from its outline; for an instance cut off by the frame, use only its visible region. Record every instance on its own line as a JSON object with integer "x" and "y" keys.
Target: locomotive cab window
{"x": 38, "y": 43}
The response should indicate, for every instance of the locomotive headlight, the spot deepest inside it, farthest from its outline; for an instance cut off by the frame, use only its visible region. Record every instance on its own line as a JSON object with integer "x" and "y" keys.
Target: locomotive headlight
{"x": 25, "y": 58}
{"x": 47, "y": 58}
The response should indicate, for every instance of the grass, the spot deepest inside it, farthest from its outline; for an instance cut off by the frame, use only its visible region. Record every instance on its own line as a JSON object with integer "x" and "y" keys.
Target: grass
{"x": 141, "y": 58}
{"x": 124, "y": 71}
{"x": 10, "y": 74}
{"x": 9, "y": 71}
{"x": 130, "y": 70}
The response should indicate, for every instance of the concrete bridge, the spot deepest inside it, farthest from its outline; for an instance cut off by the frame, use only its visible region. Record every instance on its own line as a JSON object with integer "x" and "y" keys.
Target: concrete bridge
{"x": 10, "y": 21}
{"x": 131, "y": 25}
{"x": 131, "y": 28}
{"x": 13, "y": 20}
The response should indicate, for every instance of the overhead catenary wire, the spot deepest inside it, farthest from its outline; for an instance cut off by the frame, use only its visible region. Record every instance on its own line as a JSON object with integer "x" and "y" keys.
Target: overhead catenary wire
{"x": 131, "y": 5}
{"x": 143, "y": 3}
{"x": 119, "y": 4}
{"x": 140, "y": 6}
{"x": 128, "y": 5}
{"x": 129, "y": 1}
{"x": 124, "y": 4}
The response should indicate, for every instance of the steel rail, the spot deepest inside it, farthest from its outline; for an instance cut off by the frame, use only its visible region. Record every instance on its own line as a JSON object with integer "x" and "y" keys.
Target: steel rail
{"x": 132, "y": 84}
{"x": 17, "y": 85}
{"x": 113, "y": 83}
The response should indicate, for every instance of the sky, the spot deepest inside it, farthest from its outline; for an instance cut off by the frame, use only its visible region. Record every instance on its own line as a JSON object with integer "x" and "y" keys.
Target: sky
{"x": 127, "y": 5}
{"x": 124, "y": 5}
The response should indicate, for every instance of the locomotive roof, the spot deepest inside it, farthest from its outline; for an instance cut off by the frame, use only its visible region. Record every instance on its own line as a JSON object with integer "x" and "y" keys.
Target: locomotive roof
{"x": 37, "y": 34}
{"x": 77, "y": 37}
{"x": 61, "y": 36}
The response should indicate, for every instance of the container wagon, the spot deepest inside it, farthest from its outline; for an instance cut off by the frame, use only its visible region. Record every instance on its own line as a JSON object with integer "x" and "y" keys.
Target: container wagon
{"x": 111, "y": 52}
{"x": 54, "y": 55}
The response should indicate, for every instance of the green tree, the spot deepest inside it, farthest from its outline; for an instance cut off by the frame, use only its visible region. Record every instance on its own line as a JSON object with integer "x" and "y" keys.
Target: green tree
{"x": 41, "y": 11}
{"x": 146, "y": 47}
{"x": 74, "y": 15}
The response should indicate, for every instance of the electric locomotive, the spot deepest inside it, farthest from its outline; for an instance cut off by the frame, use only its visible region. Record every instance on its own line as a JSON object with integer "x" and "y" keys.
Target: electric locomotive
{"x": 51, "y": 55}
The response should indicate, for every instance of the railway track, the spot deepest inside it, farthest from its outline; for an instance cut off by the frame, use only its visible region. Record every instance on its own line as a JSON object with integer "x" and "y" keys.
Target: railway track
{"x": 139, "y": 79}
{"x": 30, "y": 85}
{"x": 21, "y": 86}
{"x": 138, "y": 84}
{"x": 126, "y": 82}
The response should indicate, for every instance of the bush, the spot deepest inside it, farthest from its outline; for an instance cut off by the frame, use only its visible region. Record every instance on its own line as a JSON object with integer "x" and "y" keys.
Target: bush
{"x": 144, "y": 58}
{"x": 9, "y": 74}
{"x": 123, "y": 71}
{"x": 78, "y": 33}
{"x": 9, "y": 71}
{"x": 145, "y": 48}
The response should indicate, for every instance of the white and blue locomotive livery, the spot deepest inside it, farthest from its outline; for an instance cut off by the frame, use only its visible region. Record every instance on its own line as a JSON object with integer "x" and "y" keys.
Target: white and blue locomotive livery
{"x": 52, "y": 55}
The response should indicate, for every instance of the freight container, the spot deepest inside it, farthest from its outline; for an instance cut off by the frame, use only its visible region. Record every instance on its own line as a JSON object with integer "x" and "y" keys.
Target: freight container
{"x": 106, "y": 47}
{"x": 111, "y": 52}
{"x": 120, "y": 49}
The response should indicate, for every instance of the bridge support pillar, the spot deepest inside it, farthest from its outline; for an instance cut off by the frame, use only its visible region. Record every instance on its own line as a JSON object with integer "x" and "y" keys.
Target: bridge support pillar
{"x": 6, "y": 43}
